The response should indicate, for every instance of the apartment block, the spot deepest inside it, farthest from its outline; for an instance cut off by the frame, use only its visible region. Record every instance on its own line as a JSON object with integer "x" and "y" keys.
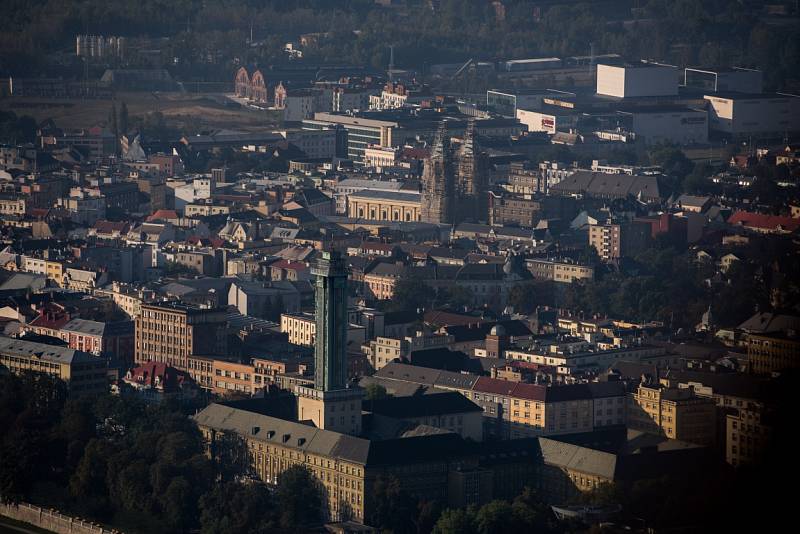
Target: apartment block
{"x": 615, "y": 240}
{"x": 660, "y": 408}
{"x": 170, "y": 333}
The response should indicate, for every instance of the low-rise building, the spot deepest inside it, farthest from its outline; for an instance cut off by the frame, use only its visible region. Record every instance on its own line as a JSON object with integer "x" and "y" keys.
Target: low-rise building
{"x": 156, "y": 382}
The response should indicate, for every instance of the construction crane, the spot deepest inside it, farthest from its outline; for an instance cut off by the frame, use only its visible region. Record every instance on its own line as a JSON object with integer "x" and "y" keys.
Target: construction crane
{"x": 465, "y": 66}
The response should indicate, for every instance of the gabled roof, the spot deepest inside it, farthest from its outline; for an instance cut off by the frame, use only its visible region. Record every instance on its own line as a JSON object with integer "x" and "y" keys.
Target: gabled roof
{"x": 109, "y": 227}
{"x": 163, "y": 215}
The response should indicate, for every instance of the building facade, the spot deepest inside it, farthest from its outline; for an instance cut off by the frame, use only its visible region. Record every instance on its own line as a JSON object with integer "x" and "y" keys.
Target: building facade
{"x": 170, "y": 333}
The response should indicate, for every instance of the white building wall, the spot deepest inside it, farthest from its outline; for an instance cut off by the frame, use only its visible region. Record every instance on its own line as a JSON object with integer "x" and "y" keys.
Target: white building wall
{"x": 537, "y": 121}
{"x": 747, "y": 116}
{"x": 680, "y": 127}
{"x": 637, "y": 81}
{"x": 298, "y": 108}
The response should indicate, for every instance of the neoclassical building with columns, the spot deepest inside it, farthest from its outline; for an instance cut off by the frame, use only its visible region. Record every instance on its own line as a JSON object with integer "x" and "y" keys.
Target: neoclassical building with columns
{"x": 384, "y": 205}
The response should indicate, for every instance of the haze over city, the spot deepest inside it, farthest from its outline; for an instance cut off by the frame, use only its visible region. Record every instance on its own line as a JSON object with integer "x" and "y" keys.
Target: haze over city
{"x": 398, "y": 266}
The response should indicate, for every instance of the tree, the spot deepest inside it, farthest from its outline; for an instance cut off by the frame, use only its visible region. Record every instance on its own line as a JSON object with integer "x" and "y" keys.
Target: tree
{"x": 375, "y": 392}
{"x": 392, "y": 507}
{"x": 457, "y": 296}
{"x": 526, "y": 297}
{"x": 455, "y": 521}
{"x": 299, "y": 497}
{"x": 231, "y": 508}
{"x": 674, "y": 162}
{"x": 410, "y": 293}
{"x": 495, "y": 516}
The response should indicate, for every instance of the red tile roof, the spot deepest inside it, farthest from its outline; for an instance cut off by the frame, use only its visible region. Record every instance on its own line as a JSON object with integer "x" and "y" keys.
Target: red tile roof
{"x": 530, "y": 391}
{"x": 163, "y": 214}
{"x": 145, "y": 375}
{"x": 109, "y": 227}
{"x": 290, "y": 265}
{"x": 766, "y": 222}
{"x": 494, "y": 386}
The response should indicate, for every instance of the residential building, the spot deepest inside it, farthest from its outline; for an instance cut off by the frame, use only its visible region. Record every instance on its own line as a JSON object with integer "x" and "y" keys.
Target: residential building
{"x": 773, "y": 351}
{"x": 83, "y": 372}
{"x": 564, "y": 270}
{"x": 660, "y": 408}
{"x": 170, "y": 333}
{"x": 264, "y": 299}
{"x": 616, "y": 240}
{"x": 156, "y": 382}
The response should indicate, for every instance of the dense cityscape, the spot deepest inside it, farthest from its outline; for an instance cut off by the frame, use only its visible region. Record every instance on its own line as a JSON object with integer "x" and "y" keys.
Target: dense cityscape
{"x": 398, "y": 266}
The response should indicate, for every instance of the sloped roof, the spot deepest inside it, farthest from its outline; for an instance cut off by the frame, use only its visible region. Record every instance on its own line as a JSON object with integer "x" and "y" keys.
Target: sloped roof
{"x": 585, "y": 460}
{"x": 449, "y": 402}
{"x": 42, "y": 351}
{"x": 599, "y": 184}
{"x": 764, "y": 322}
{"x": 408, "y": 373}
{"x": 765, "y": 222}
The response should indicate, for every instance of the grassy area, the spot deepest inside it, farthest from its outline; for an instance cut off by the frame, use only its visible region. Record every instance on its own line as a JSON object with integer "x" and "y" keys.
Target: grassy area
{"x": 188, "y": 112}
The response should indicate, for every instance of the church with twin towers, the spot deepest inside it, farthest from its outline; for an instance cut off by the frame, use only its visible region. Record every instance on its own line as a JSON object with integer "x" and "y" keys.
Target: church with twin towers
{"x": 455, "y": 180}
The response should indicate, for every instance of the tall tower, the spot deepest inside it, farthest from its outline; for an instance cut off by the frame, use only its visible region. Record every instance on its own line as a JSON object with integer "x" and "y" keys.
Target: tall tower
{"x": 332, "y": 403}
{"x": 436, "y": 201}
{"x": 473, "y": 182}
{"x": 330, "y": 346}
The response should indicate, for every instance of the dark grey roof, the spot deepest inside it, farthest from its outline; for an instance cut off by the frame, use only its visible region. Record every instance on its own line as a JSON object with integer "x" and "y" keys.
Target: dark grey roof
{"x": 313, "y": 440}
{"x": 585, "y": 460}
{"x": 451, "y": 379}
{"x": 770, "y": 322}
{"x": 287, "y": 433}
{"x": 408, "y": 373}
{"x": 85, "y": 326}
{"x": 599, "y": 184}
{"x": 387, "y": 195}
{"x": 599, "y": 390}
{"x": 51, "y": 353}
{"x": 24, "y": 281}
{"x": 449, "y": 402}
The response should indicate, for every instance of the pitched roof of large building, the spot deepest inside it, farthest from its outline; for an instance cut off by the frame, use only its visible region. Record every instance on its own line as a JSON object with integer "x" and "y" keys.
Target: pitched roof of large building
{"x": 51, "y": 353}
{"x": 449, "y": 402}
{"x": 312, "y": 440}
{"x": 585, "y": 460}
{"x": 764, "y": 222}
{"x": 604, "y": 185}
